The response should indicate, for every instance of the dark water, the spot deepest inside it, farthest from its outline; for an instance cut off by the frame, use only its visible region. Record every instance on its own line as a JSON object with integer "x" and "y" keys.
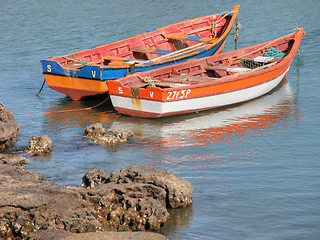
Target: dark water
{"x": 254, "y": 167}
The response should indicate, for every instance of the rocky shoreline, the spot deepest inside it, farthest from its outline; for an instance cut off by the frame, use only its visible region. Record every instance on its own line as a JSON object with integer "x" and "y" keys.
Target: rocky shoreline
{"x": 131, "y": 204}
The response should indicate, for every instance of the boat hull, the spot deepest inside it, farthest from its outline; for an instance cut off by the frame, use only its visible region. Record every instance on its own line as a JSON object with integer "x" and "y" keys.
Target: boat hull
{"x": 155, "y": 109}
{"x": 76, "y": 88}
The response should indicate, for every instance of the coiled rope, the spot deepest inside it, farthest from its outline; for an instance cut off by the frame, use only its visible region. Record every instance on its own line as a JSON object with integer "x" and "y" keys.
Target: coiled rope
{"x": 273, "y": 52}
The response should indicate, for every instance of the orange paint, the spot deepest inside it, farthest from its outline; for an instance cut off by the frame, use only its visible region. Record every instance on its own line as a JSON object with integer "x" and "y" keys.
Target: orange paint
{"x": 76, "y": 88}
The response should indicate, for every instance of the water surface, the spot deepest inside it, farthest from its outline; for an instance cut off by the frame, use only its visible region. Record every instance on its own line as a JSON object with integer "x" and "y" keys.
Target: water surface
{"x": 254, "y": 166}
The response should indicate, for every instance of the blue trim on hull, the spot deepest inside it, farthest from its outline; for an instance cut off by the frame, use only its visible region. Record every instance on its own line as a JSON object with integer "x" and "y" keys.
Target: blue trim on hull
{"x": 95, "y": 72}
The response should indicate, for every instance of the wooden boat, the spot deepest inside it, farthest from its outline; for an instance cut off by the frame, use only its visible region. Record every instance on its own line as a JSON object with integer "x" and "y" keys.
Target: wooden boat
{"x": 84, "y": 74}
{"x": 213, "y": 126}
{"x": 212, "y": 82}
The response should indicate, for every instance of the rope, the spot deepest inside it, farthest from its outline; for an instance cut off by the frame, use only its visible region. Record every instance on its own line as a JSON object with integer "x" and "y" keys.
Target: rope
{"x": 75, "y": 60}
{"x": 64, "y": 111}
{"x": 41, "y": 87}
{"x": 273, "y": 52}
{"x": 78, "y": 61}
{"x": 149, "y": 80}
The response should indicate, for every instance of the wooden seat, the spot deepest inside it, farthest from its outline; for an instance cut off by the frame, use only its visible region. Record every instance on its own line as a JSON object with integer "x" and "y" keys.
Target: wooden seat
{"x": 262, "y": 59}
{"x": 178, "y": 36}
{"x": 119, "y": 61}
{"x": 189, "y": 78}
{"x": 227, "y": 68}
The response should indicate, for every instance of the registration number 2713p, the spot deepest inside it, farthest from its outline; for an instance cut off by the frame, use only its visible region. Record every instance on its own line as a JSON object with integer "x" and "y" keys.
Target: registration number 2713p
{"x": 178, "y": 94}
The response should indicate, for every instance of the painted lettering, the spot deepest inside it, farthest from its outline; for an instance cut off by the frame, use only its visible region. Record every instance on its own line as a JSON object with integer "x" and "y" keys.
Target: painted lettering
{"x": 188, "y": 91}
{"x": 175, "y": 94}
{"x": 182, "y": 93}
{"x": 120, "y": 90}
{"x": 93, "y": 73}
{"x": 48, "y": 68}
{"x": 178, "y": 94}
{"x": 151, "y": 94}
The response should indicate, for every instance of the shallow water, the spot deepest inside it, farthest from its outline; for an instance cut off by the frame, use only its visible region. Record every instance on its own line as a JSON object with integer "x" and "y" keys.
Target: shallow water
{"x": 254, "y": 166}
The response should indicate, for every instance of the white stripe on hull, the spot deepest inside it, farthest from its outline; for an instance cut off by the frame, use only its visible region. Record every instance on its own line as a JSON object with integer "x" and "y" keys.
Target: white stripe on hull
{"x": 195, "y": 104}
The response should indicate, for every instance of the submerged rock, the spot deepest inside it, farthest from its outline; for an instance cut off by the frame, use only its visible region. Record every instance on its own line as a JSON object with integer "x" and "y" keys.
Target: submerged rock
{"x": 39, "y": 145}
{"x": 101, "y": 135}
{"x": 9, "y": 128}
{"x": 127, "y": 201}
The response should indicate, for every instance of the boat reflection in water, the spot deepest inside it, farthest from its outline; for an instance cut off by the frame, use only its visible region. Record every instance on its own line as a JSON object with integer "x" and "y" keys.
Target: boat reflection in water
{"x": 68, "y": 114}
{"x": 195, "y": 129}
{"x": 212, "y": 127}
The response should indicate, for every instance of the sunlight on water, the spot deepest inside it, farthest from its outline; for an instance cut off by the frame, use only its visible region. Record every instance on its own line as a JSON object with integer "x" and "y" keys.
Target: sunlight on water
{"x": 254, "y": 166}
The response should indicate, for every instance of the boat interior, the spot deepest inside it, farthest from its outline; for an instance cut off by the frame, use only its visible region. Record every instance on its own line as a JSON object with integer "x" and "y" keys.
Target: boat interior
{"x": 213, "y": 68}
{"x": 169, "y": 42}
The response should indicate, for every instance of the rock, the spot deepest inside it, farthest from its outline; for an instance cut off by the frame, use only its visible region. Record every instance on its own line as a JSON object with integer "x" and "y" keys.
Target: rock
{"x": 63, "y": 235}
{"x": 11, "y": 159}
{"x": 93, "y": 177}
{"x": 130, "y": 206}
{"x": 132, "y": 200}
{"x": 144, "y": 191}
{"x": 9, "y": 129}
{"x": 39, "y": 145}
{"x": 102, "y": 135}
{"x": 179, "y": 191}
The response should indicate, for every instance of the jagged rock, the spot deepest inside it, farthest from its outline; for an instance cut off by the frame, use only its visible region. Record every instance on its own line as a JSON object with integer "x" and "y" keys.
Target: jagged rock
{"x": 93, "y": 177}
{"x": 143, "y": 190}
{"x": 125, "y": 201}
{"x": 179, "y": 191}
{"x": 9, "y": 129}
{"x": 130, "y": 206}
{"x": 101, "y": 135}
{"x": 39, "y": 145}
{"x": 12, "y": 159}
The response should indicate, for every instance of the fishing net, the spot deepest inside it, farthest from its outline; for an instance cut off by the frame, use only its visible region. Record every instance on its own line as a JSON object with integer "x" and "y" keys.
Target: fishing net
{"x": 271, "y": 52}
{"x": 248, "y": 63}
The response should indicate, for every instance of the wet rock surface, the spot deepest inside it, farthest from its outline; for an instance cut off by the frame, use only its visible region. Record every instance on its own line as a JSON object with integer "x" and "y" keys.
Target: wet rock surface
{"x": 134, "y": 199}
{"x": 64, "y": 235}
{"x": 39, "y": 145}
{"x": 101, "y": 135}
{"x": 144, "y": 193}
{"x": 9, "y": 128}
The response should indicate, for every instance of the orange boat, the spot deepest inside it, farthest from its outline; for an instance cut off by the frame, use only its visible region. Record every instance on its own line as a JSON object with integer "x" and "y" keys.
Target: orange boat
{"x": 207, "y": 83}
{"x": 85, "y": 74}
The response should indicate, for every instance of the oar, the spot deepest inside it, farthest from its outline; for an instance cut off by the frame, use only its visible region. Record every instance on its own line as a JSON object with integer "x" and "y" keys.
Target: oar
{"x": 176, "y": 53}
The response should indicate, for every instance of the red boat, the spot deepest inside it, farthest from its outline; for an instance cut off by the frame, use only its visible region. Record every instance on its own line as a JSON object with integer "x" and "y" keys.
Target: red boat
{"x": 212, "y": 82}
{"x": 85, "y": 74}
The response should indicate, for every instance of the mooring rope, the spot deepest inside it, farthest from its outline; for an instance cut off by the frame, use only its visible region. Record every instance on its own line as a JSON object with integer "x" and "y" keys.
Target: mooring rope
{"x": 64, "y": 111}
{"x": 41, "y": 87}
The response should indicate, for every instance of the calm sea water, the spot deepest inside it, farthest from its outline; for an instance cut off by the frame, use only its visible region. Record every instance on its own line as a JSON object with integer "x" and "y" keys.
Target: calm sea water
{"x": 254, "y": 166}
